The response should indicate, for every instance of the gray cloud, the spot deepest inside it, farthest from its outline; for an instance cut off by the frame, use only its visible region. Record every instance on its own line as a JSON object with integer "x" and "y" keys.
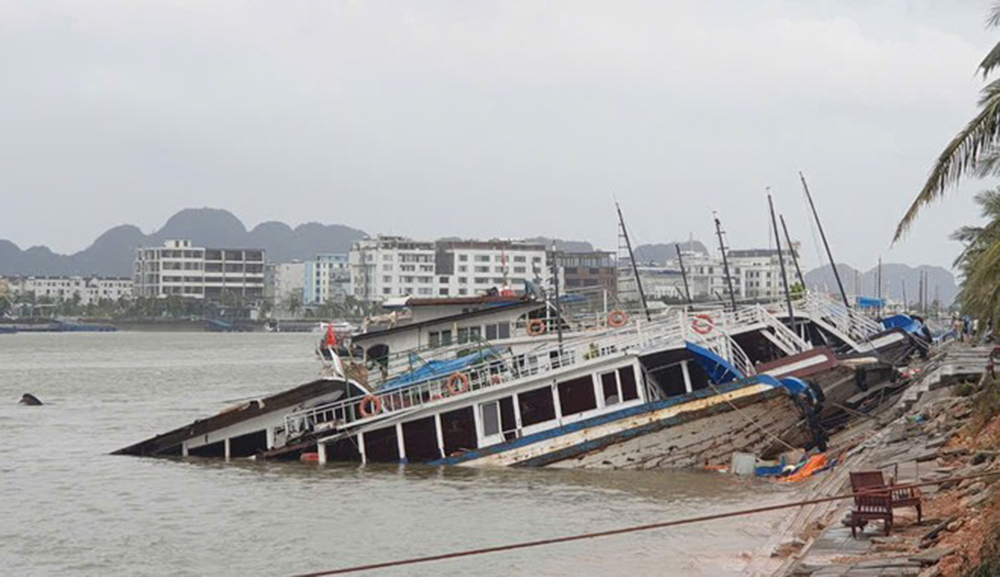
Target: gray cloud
{"x": 488, "y": 118}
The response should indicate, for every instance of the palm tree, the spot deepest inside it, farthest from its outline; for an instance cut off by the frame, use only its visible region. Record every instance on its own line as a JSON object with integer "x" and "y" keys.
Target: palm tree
{"x": 975, "y": 149}
{"x": 979, "y": 263}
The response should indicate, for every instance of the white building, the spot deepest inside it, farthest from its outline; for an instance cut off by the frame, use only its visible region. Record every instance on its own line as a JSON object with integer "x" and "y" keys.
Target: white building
{"x": 388, "y": 266}
{"x": 327, "y": 278}
{"x": 473, "y": 267}
{"x": 86, "y": 290}
{"x": 289, "y": 281}
{"x": 759, "y": 271}
{"x": 180, "y": 269}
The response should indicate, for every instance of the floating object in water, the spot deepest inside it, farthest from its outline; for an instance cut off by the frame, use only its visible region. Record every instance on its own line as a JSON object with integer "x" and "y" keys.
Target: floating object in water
{"x": 30, "y": 400}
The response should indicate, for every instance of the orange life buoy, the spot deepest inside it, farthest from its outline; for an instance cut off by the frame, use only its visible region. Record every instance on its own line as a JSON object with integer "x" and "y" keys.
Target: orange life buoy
{"x": 309, "y": 457}
{"x": 457, "y": 384}
{"x": 536, "y": 327}
{"x": 703, "y": 324}
{"x": 376, "y": 406}
{"x": 617, "y": 319}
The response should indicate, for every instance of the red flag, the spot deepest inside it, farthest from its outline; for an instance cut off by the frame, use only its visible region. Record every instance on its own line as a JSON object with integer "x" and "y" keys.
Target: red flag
{"x": 331, "y": 337}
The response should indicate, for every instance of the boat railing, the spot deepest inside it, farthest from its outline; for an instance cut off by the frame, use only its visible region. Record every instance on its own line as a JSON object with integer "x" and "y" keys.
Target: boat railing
{"x": 506, "y": 368}
{"x": 499, "y": 371}
{"x": 852, "y": 323}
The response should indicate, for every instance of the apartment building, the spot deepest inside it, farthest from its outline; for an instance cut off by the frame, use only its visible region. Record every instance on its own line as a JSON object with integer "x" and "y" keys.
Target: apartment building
{"x": 180, "y": 269}
{"x": 391, "y": 266}
{"x": 327, "y": 278}
{"x": 86, "y": 290}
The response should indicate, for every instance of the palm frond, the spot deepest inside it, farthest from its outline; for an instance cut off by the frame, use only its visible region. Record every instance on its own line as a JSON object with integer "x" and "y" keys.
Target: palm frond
{"x": 961, "y": 155}
{"x": 991, "y": 61}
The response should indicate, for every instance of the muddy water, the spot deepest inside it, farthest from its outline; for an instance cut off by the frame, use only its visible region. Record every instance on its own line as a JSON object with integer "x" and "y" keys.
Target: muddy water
{"x": 68, "y": 508}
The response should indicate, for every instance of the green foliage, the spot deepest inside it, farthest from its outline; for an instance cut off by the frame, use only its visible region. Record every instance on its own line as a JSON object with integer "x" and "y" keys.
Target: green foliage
{"x": 974, "y": 148}
{"x": 979, "y": 263}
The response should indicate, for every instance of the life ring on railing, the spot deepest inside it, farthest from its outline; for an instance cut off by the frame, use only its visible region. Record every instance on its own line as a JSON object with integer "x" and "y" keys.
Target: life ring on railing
{"x": 617, "y": 319}
{"x": 703, "y": 324}
{"x": 376, "y": 406}
{"x": 457, "y": 384}
{"x": 536, "y": 327}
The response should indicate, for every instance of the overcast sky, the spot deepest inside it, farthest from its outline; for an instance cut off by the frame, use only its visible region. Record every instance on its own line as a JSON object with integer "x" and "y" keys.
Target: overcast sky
{"x": 486, "y": 119}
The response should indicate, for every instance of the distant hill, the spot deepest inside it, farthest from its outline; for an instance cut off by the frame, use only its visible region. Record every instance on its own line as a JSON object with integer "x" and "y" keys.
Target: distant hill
{"x": 894, "y": 277}
{"x": 563, "y": 245}
{"x": 113, "y": 252}
{"x": 662, "y": 252}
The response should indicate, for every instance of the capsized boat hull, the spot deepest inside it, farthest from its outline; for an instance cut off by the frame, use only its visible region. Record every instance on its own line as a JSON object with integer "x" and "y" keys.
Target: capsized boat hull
{"x": 678, "y": 433}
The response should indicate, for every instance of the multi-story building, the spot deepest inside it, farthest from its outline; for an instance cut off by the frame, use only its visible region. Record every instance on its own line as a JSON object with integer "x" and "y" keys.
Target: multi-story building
{"x": 327, "y": 278}
{"x": 288, "y": 282}
{"x": 759, "y": 271}
{"x": 85, "y": 290}
{"x": 388, "y": 266}
{"x": 179, "y": 269}
{"x": 585, "y": 270}
{"x": 474, "y": 267}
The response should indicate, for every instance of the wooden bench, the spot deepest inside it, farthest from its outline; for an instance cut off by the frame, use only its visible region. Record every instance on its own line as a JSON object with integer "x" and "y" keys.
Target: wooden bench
{"x": 862, "y": 481}
{"x": 871, "y": 507}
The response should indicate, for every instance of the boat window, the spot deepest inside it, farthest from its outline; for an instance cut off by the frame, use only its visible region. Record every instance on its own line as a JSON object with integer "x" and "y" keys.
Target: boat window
{"x": 671, "y": 380}
{"x": 445, "y": 338}
{"x": 458, "y": 430}
{"x": 433, "y": 339}
{"x": 474, "y": 333}
{"x": 609, "y": 385}
{"x": 630, "y": 390}
{"x": 381, "y": 445}
{"x": 463, "y": 335}
{"x": 248, "y": 445}
{"x": 508, "y": 424}
{"x": 577, "y": 395}
{"x": 343, "y": 450}
{"x": 420, "y": 440}
{"x": 216, "y": 449}
{"x": 536, "y": 406}
{"x": 491, "y": 418}
{"x": 503, "y": 330}
{"x": 491, "y": 332}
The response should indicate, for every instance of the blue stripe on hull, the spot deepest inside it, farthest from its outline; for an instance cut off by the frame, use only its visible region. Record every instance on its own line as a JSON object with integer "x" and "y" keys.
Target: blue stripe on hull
{"x": 601, "y": 420}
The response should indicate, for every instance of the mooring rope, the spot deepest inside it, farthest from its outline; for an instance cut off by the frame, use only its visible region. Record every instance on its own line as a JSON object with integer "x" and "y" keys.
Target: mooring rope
{"x": 636, "y": 528}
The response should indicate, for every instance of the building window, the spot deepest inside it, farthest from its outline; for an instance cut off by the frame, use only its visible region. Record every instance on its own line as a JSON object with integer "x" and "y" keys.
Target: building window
{"x": 482, "y": 258}
{"x": 463, "y": 258}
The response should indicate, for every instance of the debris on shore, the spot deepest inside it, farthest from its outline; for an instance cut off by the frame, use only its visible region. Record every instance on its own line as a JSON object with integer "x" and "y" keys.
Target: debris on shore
{"x": 946, "y": 425}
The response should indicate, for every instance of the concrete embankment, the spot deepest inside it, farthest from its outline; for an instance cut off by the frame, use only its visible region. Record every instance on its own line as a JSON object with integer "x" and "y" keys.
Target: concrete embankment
{"x": 945, "y": 425}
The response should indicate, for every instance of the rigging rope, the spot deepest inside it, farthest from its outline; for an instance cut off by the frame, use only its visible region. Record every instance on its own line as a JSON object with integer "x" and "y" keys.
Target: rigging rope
{"x": 633, "y": 529}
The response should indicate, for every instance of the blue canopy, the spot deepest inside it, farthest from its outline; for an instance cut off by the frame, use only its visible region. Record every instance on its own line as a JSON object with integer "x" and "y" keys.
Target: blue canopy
{"x": 435, "y": 369}
{"x": 718, "y": 369}
{"x": 869, "y": 302}
{"x": 905, "y": 322}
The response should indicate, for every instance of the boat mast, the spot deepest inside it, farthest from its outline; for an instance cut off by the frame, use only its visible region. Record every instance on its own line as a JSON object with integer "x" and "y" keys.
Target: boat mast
{"x": 680, "y": 259}
{"x": 826, "y": 245}
{"x": 781, "y": 261}
{"x": 631, "y": 257}
{"x": 555, "y": 282}
{"x": 906, "y": 306}
{"x": 795, "y": 257}
{"x": 725, "y": 262}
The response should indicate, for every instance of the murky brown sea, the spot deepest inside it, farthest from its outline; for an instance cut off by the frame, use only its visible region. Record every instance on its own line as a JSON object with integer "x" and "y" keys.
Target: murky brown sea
{"x": 68, "y": 508}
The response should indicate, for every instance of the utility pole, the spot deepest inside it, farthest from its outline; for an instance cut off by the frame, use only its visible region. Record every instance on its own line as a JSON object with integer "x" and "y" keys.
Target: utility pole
{"x": 878, "y": 291}
{"x": 680, "y": 259}
{"x": 781, "y": 261}
{"x": 791, "y": 249}
{"x": 822, "y": 235}
{"x": 725, "y": 262}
